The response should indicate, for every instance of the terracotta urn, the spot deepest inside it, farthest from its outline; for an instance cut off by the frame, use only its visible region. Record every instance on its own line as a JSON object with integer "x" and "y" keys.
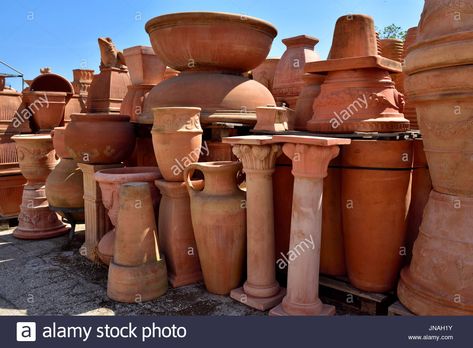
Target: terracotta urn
{"x": 47, "y": 109}
{"x": 358, "y": 93}
{"x": 177, "y": 139}
{"x": 37, "y": 160}
{"x": 138, "y": 272}
{"x": 215, "y": 50}
{"x": 375, "y": 201}
{"x": 219, "y": 221}
{"x": 305, "y": 102}
{"x": 264, "y": 73}
{"x": 288, "y": 78}
{"x": 100, "y": 138}
{"x": 144, "y": 65}
{"x": 110, "y": 181}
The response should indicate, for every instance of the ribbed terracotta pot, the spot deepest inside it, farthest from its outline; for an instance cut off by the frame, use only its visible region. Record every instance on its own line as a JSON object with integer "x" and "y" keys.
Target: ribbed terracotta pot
{"x": 375, "y": 201}
{"x": 100, "y": 138}
{"x": 10, "y": 102}
{"x": 110, "y": 181}
{"x": 219, "y": 220}
{"x": 305, "y": 102}
{"x": 177, "y": 139}
{"x": 47, "y": 108}
{"x": 409, "y": 109}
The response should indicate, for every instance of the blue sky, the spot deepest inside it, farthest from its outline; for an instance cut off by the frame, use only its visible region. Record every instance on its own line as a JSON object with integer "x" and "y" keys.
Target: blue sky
{"x": 63, "y": 34}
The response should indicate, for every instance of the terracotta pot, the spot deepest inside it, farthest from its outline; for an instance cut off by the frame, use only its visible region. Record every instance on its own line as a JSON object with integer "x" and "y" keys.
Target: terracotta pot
{"x": 8, "y": 155}
{"x": 144, "y": 65}
{"x": 107, "y": 90}
{"x": 219, "y": 221}
{"x": 11, "y": 190}
{"x": 110, "y": 181}
{"x": 409, "y": 109}
{"x": 176, "y": 235}
{"x": 177, "y": 139}
{"x": 58, "y": 134}
{"x": 305, "y": 102}
{"x": 76, "y": 105}
{"x": 288, "y": 78}
{"x": 137, "y": 272}
{"x": 438, "y": 281}
{"x": 272, "y": 119}
{"x": 132, "y": 104}
{"x": 375, "y": 201}
{"x": 49, "y": 82}
{"x": 211, "y": 41}
{"x": 47, "y": 108}
{"x": 392, "y": 49}
{"x": 10, "y": 102}
{"x": 222, "y": 97}
{"x": 37, "y": 159}
{"x": 109, "y": 138}
{"x": 264, "y": 73}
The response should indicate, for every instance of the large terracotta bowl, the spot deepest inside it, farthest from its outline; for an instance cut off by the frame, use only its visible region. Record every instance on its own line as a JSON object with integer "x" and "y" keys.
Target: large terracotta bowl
{"x": 211, "y": 41}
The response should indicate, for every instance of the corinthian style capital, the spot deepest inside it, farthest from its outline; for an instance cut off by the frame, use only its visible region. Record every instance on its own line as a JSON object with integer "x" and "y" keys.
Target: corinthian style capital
{"x": 257, "y": 157}
{"x": 309, "y": 160}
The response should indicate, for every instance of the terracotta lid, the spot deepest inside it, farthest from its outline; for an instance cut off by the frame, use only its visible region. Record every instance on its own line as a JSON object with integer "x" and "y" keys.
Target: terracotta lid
{"x": 301, "y": 40}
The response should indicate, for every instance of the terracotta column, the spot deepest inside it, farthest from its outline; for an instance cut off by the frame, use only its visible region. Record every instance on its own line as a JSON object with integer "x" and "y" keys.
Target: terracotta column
{"x": 258, "y": 155}
{"x": 310, "y": 158}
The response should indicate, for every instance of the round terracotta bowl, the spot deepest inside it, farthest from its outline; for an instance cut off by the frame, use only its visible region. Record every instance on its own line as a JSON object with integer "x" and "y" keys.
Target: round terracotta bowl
{"x": 211, "y": 41}
{"x": 100, "y": 138}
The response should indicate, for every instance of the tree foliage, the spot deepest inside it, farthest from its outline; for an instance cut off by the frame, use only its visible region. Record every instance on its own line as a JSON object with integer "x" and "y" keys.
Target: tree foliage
{"x": 392, "y": 32}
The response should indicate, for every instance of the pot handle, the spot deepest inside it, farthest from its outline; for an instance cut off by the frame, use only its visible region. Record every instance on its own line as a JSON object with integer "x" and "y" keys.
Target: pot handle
{"x": 188, "y": 173}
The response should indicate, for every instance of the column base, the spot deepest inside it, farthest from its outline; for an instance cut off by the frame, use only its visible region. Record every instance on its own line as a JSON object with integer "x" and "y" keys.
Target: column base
{"x": 184, "y": 279}
{"x": 259, "y": 303}
{"x": 40, "y": 234}
{"x": 327, "y": 310}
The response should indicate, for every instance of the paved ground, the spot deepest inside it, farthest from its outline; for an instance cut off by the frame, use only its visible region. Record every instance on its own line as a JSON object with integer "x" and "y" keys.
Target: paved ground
{"x": 50, "y": 277}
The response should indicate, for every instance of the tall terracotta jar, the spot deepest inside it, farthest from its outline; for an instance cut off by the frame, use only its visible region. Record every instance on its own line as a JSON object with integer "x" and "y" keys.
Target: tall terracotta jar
{"x": 375, "y": 201}
{"x": 288, "y": 79}
{"x": 219, "y": 220}
{"x": 177, "y": 139}
{"x": 305, "y": 102}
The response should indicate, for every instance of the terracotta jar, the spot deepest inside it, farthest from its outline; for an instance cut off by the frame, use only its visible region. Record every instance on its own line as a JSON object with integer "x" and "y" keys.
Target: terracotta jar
{"x": 110, "y": 181}
{"x": 47, "y": 109}
{"x": 215, "y": 50}
{"x": 100, "y": 138}
{"x": 37, "y": 160}
{"x": 176, "y": 235}
{"x": 304, "y": 106}
{"x": 144, "y": 65}
{"x": 219, "y": 220}
{"x": 264, "y": 73}
{"x": 137, "y": 272}
{"x": 177, "y": 139}
{"x": 375, "y": 202}
{"x": 288, "y": 78}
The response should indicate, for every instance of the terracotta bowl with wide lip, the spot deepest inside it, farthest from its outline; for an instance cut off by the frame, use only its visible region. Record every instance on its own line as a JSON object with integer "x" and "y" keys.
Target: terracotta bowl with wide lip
{"x": 211, "y": 41}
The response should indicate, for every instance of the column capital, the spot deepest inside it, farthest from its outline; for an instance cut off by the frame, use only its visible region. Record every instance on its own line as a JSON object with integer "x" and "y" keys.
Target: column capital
{"x": 310, "y": 160}
{"x": 257, "y": 157}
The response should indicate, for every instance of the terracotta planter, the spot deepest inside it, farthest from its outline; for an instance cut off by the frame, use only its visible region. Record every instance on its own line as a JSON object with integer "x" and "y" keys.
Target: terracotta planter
{"x": 137, "y": 272}
{"x": 264, "y": 73}
{"x": 10, "y": 102}
{"x": 272, "y": 119}
{"x": 8, "y": 155}
{"x": 110, "y": 181}
{"x": 100, "y": 138}
{"x": 144, "y": 65}
{"x": 82, "y": 81}
{"x": 305, "y": 102}
{"x": 288, "y": 79}
{"x": 375, "y": 201}
{"x": 176, "y": 235}
{"x": 37, "y": 160}
{"x": 11, "y": 190}
{"x": 133, "y": 103}
{"x": 47, "y": 109}
{"x": 219, "y": 221}
{"x": 177, "y": 139}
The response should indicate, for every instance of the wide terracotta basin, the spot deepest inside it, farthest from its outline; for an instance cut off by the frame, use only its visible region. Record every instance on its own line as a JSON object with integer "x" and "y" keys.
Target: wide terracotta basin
{"x": 211, "y": 41}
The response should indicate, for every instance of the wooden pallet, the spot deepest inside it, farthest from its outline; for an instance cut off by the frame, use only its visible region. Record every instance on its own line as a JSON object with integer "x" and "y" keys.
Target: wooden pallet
{"x": 8, "y": 222}
{"x": 397, "y": 309}
{"x": 350, "y": 300}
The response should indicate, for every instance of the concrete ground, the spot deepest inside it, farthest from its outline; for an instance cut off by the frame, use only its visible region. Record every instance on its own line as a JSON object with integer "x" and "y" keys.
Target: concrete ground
{"x": 50, "y": 277}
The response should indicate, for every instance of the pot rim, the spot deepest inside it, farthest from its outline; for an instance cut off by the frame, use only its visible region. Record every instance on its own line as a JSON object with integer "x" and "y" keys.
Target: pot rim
{"x": 132, "y": 174}
{"x": 31, "y": 137}
{"x": 99, "y": 117}
{"x": 205, "y": 17}
{"x": 48, "y": 93}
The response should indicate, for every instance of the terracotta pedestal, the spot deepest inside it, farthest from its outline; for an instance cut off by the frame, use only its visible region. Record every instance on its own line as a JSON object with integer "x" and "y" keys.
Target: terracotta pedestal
{"x": 310, "y": 157}
{"x": 107, "y": 90}
{"x": 258, "y": 155}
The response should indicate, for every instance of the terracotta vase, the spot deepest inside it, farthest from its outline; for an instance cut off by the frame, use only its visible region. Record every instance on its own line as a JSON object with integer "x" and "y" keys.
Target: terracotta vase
{"x": 137, "y": 272}
{"x": 264, "y": 73}
{"x": 219, "y": 222}
{"x": 176, "y": 235}
{"x": 288, "y": 78}
{"x": 144, "y": 65}
{"x": 358, "y": 93}
{"x": 375, "y": 201}
{"x": 304, "y": 106}
{"x": 215, "y": 50}
{"x": 177, "y": 139}
{"x": 47, "y": 109}
{"x": 37, "y": 160}
{"x": 100, "y": 138}
{"x": 110, "y": 181}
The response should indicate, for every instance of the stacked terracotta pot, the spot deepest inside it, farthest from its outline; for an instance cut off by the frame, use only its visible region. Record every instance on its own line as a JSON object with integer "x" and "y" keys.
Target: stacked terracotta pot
{"x": 438, "y": 281}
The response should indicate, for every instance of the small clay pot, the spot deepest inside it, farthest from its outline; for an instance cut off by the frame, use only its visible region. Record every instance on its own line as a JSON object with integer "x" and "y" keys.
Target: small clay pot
{"x": 100, "y": 138}
{"x": 177, "y": 139}
{"x": 47, "y": 108}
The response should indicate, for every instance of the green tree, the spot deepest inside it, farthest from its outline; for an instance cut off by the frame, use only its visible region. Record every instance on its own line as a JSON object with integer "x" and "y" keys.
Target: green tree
{"x": 393, "y": 32}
